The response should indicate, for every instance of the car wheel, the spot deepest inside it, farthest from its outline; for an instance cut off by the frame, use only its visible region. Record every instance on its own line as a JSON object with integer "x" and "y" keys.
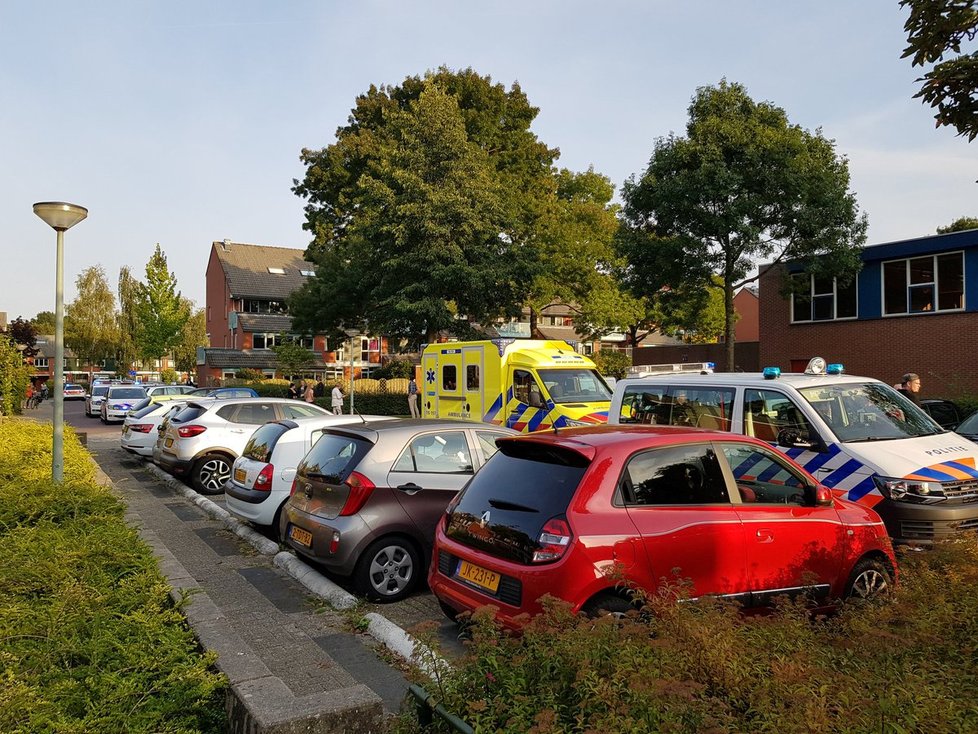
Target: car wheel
{"x": 870, "y": 579}
{"x": 607, "y": 603}
{"x": 388, "y": 570}
{"x": 210, "y": 474}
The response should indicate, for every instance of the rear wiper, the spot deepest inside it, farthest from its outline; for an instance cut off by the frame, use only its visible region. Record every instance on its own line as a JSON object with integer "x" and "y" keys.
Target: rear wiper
{"x": 504, "y": 505}
{"x": 331, "y": 478}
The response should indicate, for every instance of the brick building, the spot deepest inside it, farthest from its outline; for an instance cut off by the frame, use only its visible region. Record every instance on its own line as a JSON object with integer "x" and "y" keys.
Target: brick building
{"x": 912, "y": 308}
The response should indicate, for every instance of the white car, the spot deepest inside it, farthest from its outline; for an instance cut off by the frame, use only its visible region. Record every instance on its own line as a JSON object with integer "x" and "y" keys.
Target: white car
{"x": 119, "y": 400}
{"x": 261, "y": 478}
{"x": 94, "y": 400}
{"x": 140, "y": 428}
{"x": 202, "y": 441}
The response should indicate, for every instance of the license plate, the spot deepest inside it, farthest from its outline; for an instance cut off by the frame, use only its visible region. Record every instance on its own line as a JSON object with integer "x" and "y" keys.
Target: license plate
{"x": 478, "y": 576}
{"x": 168, "y": 443}
{"x": 300, "y": 536}
{"x": 239, "y": 476}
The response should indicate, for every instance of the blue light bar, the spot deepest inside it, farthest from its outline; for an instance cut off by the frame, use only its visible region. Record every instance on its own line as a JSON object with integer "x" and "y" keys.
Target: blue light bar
{"x": 835, "y": 369}
{"x": 711, "y": 365}
{"x": 772, "y": 373}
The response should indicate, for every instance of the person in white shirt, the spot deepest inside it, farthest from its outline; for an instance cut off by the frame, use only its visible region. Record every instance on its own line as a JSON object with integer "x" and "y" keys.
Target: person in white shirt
{"x": 337, "y": 400}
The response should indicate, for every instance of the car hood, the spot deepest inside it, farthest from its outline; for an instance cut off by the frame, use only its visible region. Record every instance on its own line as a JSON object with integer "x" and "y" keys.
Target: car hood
{"x": 943, "y": 457}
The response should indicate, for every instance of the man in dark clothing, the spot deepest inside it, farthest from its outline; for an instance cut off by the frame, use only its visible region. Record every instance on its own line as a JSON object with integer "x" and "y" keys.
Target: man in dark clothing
{"x": 293, "y": 391}
{"x": 910, "y": 386}
{"x": 320, "y": 389}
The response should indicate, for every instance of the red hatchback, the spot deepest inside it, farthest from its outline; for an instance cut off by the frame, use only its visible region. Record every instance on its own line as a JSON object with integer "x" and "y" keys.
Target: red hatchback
{"x": 554, "y": 513}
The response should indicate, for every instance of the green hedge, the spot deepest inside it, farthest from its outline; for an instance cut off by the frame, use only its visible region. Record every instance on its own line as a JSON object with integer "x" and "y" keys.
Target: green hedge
{"x": 372, "y": 404}
{"x": 89, "y": 638}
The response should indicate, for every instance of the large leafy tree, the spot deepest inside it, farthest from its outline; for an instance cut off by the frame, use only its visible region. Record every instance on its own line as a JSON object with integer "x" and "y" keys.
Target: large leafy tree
{"x": 24, "y": 335}
{"x": 159, "y": 310}
{"x": 192, "y": 334}
{"x": 935, "y": 31}
{"x": 743, "y": 184}
{"x": 91, "y": 330}
{"x": 293, "y": 359}
{"x": 959, "y": 225}
{"x": 44, "y": 322}
{"x": 127, "y": 351}
{"x": 425, "y": 208}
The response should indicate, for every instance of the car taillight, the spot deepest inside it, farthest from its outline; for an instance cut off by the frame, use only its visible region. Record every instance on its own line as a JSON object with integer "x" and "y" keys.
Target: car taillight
{"x": 189, "y": 431}
{"x": 554, "y": 540}
{"x": 141, "y": 427}
{"x": 360, "y": 489}
{"x": 264, "y": 478}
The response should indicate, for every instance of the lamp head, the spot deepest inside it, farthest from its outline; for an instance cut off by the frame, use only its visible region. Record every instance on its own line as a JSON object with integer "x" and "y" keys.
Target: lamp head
{"x": 59, "y": 214}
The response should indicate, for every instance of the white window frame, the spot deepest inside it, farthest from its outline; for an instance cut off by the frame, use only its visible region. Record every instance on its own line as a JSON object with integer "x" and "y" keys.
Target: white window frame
{"x": 936, "y": 284}
{"x": 835, "y": 302}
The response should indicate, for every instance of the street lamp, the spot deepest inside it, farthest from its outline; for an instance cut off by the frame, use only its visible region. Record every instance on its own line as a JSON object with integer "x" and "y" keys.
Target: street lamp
{"x": 60, "y": 216}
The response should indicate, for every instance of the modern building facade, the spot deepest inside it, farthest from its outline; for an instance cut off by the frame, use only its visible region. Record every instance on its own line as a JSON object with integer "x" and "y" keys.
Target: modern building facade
{"x": 912, "y": 308}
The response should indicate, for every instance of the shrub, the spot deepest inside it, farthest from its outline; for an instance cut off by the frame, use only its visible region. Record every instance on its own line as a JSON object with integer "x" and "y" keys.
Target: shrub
{"x": 14, "y": 377}
{"x": 906, "y": 664}
{"x": 394, "y": 367}
{"x": 613, "y": 363}
{"x": 372, "y": 403}
{"x": 89, "y": 638}
{"x": 169, "y": 376}
{"x": 248, "y": 374}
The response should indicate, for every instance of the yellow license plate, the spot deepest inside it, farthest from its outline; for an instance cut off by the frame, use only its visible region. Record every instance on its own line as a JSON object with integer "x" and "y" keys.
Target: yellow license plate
{"x": 168, "y": 443}
{"x": 239, "y": 475}
{"x": 300, "y": 536}
{"x": 481, "y": 577}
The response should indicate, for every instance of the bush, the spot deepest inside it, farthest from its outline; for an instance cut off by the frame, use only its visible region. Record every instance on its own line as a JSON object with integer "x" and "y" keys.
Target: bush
{"x": 14, "y": 378}
{"x": 89, "y": 638}
{"x": 906, "y": 664}
{"x": 393, "y": 368}
{"x": 169, "y": 376}
{"x": 248, "y": 374}
{"x": 371, "y": 403}
{"x": 612, "y": 363}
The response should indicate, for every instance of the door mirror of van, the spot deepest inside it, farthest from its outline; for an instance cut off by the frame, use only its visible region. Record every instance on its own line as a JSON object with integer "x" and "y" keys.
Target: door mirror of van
{"x": 790, "y": 439}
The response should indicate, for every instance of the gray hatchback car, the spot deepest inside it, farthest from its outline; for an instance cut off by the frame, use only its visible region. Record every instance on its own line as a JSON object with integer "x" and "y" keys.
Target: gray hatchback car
{"x": 367, "y": 497}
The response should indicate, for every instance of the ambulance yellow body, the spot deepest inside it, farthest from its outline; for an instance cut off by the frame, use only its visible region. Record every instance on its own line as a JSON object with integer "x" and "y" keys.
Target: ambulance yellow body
{"x": 524, "y": 384}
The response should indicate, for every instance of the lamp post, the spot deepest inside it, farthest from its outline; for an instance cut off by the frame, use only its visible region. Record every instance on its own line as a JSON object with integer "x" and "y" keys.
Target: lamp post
{"x": 60, "y": 216}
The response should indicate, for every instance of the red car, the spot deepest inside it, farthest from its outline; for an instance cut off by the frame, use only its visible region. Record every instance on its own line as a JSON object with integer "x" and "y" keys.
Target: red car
{"x": 553, "y": 513}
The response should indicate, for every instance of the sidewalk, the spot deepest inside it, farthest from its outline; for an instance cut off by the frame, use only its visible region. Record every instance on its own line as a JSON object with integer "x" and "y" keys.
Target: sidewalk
{"x": 293, "y": 663}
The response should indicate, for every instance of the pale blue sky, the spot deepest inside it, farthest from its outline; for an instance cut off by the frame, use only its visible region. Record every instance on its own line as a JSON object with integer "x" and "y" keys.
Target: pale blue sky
{"x": 181, "y": 122}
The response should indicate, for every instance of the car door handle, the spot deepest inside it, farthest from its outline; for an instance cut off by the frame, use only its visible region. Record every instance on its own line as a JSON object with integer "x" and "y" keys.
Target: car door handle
{"x": 410, "y": 487}
{"x": 765, "y": 536}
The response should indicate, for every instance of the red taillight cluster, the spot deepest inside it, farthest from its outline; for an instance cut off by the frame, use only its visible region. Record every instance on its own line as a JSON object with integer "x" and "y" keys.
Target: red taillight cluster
{"x": 190, "y": 431}
{"x": 554, "y": 540}
{"x": 141, "y": 427}
{"x": 264, "y": 478}
{"x": 360, "y": 489}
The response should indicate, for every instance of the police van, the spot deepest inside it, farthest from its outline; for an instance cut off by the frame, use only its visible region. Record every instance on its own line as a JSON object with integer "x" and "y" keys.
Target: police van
{"x": 524, "y": 384}
{"x": 856, "y": 435}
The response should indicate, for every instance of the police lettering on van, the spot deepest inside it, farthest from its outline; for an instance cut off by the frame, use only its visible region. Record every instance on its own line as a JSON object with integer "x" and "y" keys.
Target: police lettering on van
{"x": 856, "y": 435}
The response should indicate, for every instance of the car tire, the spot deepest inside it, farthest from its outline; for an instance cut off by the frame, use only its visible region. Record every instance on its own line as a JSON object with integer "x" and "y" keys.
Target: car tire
{"x": 210, "y": 472}
{"x": 607, "y": 603}
{"x": 871, "y": 578}
{"x": 388, "y": 570}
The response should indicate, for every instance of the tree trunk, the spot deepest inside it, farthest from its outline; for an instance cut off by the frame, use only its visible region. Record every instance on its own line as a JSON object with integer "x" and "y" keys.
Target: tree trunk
{"x": 728, "y": 309}
{"x": 533, "y": 322}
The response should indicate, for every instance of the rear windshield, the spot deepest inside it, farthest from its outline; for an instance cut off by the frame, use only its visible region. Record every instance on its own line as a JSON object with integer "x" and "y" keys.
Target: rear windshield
{"x": 501, "y": 491}
{"x": 189, "y": 413}
{"x": 145, "y": 410}
{"x": 127, "y": 393}
{"x": 262, "y": 442}
{"x": 99, "y": 390}
{"x": 333, "y": 457}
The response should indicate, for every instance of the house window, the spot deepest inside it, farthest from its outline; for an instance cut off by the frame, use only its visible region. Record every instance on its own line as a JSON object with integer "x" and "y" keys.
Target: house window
{"x": 254, "y": 305}
{"x": 368, "y": 345}
{"x": 307, "y": 273}
{"x": 41, "y": 362}
{"x": 277, "y": 271}
{"x": 267, "y": 340}
{"x": 826, "y": 299}
{"x": 924, "y": 284}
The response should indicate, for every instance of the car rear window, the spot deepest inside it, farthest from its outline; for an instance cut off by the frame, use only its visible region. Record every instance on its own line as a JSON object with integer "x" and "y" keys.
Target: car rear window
{"x": 504, "y": 507}
{"x": 334, "y": 456}
{"x": 262, "y": 441}
{"x": 145, "y": 410}
{"x": 189, "y": 413}
{"x": 126, "y": 393}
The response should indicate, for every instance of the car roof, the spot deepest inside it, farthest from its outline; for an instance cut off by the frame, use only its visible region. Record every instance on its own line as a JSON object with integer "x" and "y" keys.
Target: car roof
{"x": 751, "y": 379}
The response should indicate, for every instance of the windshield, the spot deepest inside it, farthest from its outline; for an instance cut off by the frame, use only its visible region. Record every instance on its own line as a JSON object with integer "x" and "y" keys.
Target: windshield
{"x": 575, "y": 386}
{"x": 869, "y": 411}
{"x": 969, "y": 425}
{"x": 96, "y": 391}
{"x": 127, "y": 393}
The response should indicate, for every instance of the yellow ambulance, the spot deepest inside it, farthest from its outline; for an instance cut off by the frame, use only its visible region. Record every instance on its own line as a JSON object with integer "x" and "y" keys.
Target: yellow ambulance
{"x": 524, "y": 384}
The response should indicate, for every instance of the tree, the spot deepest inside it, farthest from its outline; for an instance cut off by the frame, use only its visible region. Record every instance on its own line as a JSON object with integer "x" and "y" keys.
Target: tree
{"x": 193, "y": 334}
{"x": 14, "y": 376}
{"x": 423, "y": 210}
{"x": 159, "y": 310}
{"x": 22, "y": 333}
{"x": 959, "y": 225}
{"x": 935, "y": 30}
{"x": 612, "y": 363}
{"x": 292, "y": 358}
{"x": 91, "y": 329}
{"x": 744, "y": 184}
{"x": 127, "y": 351}
{"x": 44, "y": 322}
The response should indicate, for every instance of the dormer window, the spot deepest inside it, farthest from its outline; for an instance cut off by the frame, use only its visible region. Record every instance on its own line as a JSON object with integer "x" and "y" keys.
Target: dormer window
{"x": 277, "y": 271}
{"x": 308, "y": 273}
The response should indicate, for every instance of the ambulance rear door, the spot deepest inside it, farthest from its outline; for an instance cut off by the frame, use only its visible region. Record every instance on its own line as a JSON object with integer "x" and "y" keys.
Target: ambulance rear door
{"x": 473, "y": 379}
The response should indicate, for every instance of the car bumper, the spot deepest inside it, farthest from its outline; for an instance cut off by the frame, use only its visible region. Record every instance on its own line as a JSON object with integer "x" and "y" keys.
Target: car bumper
{"x": 907, "y": 523}
{"x": 173, "y": 464}
{"x": 355, "y": 534}
{"x": 116, "y": 415}
{"x": 138, "y": 444}
{"x": 253, "y": 505}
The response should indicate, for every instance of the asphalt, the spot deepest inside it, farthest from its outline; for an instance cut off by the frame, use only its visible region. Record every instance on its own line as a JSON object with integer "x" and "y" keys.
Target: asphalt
{"x": 301, "y": 653}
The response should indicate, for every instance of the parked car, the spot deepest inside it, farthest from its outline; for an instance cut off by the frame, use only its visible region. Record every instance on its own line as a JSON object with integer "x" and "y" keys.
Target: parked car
{"x": 222, "y": 392}
{"x": 943, "y": 411}
{"x": 139, "y": 429}
{"x": 203, "y": 440}
{"x": 74, "y": 392}
{"x": 162, "y": 393}
{"x": 119, "y": 400}
{"x": 969, "y": 428}
{"x": 94, "y": 400}
{"x": 367, "y": 496}
{"x": 261, "y": 478}
{"x": 726, "y": 514}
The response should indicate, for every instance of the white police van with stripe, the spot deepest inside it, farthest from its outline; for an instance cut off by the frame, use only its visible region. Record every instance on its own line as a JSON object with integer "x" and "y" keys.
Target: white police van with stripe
{"x": 856, "y": 435}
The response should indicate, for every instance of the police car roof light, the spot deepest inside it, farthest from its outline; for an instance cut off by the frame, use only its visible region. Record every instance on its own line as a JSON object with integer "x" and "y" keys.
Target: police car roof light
{"x": 772, "y": 373}
{"x": 816, "y": 366}
{"x": 835, "y": 369}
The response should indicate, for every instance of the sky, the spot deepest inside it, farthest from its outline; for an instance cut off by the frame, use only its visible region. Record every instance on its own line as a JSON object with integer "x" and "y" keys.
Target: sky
{"x": 181, "y": 123}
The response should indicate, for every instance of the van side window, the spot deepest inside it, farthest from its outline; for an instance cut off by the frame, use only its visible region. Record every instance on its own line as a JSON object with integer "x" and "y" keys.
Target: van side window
{"x": 449, "y": 377}
{"x": 678, "y": 475}
{"x": 767, "y": 413}
{"x": 678, "y": 405}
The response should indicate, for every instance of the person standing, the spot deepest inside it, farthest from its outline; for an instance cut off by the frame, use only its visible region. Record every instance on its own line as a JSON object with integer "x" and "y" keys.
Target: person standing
{"x": 320, "y": 391}
{"x": 412, "y": 393}
{"x": 910, "y": 386}
{"x": 293, "y": 391}
{"x": 336, "y": 397}
{"x": 309, "y": 395}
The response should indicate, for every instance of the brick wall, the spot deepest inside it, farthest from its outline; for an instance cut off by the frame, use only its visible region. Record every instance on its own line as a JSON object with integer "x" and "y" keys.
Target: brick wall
{"x": 941, "y": 348}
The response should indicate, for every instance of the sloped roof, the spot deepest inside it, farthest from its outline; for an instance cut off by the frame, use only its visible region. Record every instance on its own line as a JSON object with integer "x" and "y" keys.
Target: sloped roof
{"x": 246, "y": 268}
{"x": 45, "y": 347}
{"x": 267, "y": 322}
{"x": 259, "y": 359}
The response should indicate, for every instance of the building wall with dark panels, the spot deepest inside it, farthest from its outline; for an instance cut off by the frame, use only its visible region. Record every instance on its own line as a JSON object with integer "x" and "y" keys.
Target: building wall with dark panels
{"x": 745, "y": 355}
{"x": 941, "y": 348}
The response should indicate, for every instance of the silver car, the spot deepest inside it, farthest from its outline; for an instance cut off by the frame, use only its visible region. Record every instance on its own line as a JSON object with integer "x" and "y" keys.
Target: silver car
{"x": 368, "y": 495}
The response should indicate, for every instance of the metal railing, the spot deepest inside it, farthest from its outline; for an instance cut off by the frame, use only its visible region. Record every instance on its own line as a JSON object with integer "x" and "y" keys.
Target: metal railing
{"x": 428, "y": 710}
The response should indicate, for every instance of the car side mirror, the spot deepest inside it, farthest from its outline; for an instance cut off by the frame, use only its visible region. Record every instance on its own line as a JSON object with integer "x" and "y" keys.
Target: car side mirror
{"x": 823, "y": 496}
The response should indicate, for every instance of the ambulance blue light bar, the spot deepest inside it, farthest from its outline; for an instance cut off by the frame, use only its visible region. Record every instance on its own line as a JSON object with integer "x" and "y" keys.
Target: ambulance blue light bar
{"x": 835, "y": 369}
{"x": 772, "y": 373}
